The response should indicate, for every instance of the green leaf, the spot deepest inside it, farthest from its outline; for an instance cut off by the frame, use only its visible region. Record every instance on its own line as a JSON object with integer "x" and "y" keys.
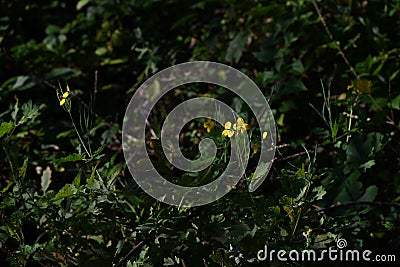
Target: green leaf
{"x": 98, "y": 238}
{"x": 395, "y": 103}
{"x": 236, "y": 47}
{"x": 99, "y": 150}
{"x": 168, "y": 262}
{"x": 5, "y": 128}
{"x": 62, "y": 73}
{"x": 46, "y": 179}
{"x": 29, "y": 112}
{"x": 70, "y": 158}
{"x": 22, "y": 171}
{"x": 101, "y": 51}
{"x": 66, "y": 191}
{"x": 81, "y": 4}
{"x": 24, "y": 82}
{"x": 259, "y": 175}
{"x": 297, "y": 67}
{"x": 370, "y": 193}
{"x": 320, "y": 192}
{"x": 349, "y": 189}
{"x": 77, "y": 180}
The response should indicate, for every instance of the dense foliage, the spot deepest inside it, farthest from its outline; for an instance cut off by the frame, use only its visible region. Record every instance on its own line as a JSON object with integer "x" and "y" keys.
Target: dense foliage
{"x": 330, "y": 70}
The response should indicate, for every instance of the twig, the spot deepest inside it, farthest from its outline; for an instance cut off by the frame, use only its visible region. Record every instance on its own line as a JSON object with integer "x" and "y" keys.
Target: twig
{"x": 294, "y": 155}
{"x": 129, "y": 253}
{"x": 95, "y": 85}
{"x": 333, "y": 40}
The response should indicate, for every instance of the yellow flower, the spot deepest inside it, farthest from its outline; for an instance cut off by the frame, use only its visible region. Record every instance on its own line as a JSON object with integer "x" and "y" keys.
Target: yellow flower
{"x": 255, "y": 149}
{"x": 264, "y": 135}
{"x": 64, "y": 96}
{"x": 240, "y": 126}
{"x": 361, "y": 86}
{"x": 228, "y": 129}
{"x": 209, "y": 124}
{"x": 309, "y": 231}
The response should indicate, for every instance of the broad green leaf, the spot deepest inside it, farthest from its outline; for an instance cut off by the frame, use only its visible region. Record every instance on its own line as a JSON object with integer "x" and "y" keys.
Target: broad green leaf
{"x": 370, "y": 193}
{"x": 24, "y": 82}
{"x": 297, "y": 67}
{"x": 5, "y": 128}
{"x": 395, "y": 103}
{"x": 236, "y": 47}
{"x": 62, "y": 73}
{"x": 20, "y": 81}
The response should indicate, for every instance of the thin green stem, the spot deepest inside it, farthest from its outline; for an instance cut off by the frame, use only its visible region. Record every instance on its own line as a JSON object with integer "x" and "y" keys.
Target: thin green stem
{"x": 351, "y": 117}
{"x": 79, "y": 136}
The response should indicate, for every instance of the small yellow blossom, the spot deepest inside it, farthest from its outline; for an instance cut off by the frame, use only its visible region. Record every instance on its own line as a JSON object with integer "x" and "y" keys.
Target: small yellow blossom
{"x": 255, "y": 149}
{"x": 309, "y": 231}
{"x": 64, "y": 96}
{"x": 264, "y": 135}
{"x": 209, "y": 124}
{"x": 360, "y": 86}
{"x": 240, "y": 126}
{"x": 228, "y": 129}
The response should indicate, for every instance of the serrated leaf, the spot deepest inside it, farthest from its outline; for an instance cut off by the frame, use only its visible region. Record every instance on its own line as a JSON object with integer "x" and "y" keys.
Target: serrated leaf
{"x": 5, "y": 128}
{"x": 29, "y": 112}
{"x": 46, "y": 179}
{"x": 320, "y": 192}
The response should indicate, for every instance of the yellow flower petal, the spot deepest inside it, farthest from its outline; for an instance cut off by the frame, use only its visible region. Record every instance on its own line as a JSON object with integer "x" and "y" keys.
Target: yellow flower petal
{"x": 228, "y": 125}
{"x": 264, "y": 135}
{"x": 67, "y": 88}
{"x": 65, "y": 95}
{"x": 62, "y": 101}
{"x": 228, "y": 133}
{"x": 209, "y": 124}
{"x": 241, "y": 126}
{"x": 255, "y": 149}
